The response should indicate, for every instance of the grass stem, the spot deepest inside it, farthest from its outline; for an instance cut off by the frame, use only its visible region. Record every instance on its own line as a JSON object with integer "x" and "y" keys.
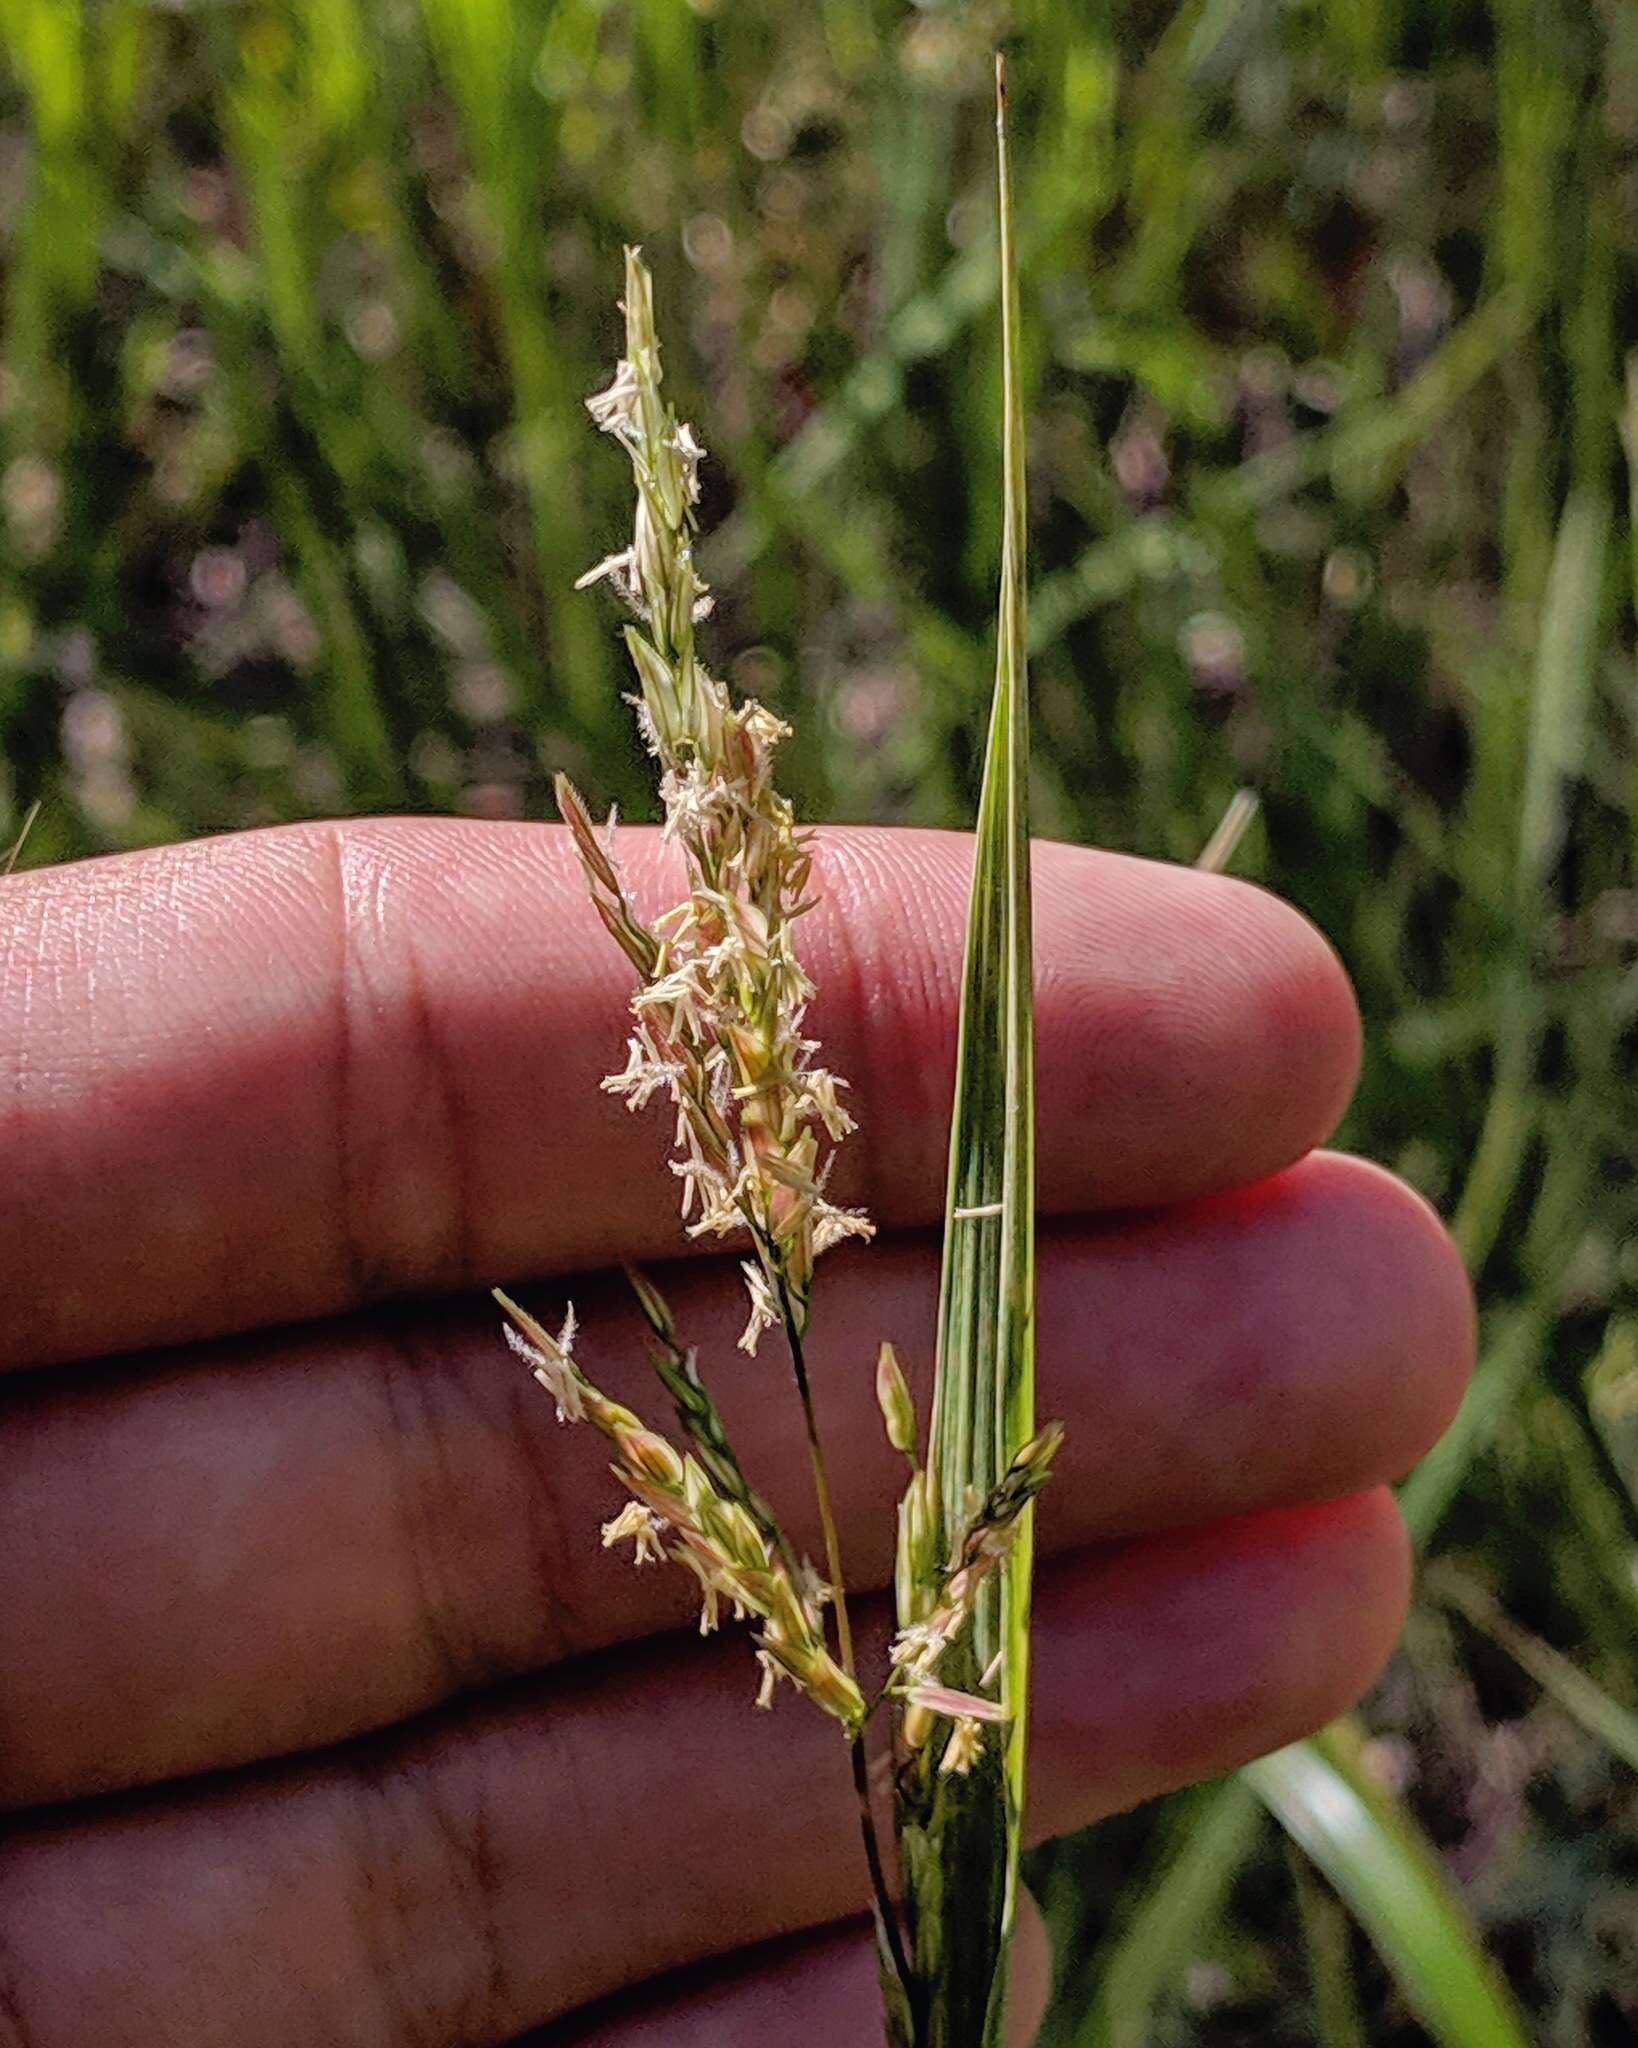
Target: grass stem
{"x": 884, "y": 1906}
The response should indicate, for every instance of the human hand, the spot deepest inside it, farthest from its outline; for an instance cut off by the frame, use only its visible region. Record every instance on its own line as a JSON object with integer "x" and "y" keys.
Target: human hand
{"x": 294, "y": 1558}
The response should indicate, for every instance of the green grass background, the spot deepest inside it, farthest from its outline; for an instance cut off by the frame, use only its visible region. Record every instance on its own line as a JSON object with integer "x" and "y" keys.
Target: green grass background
{"x": 1328, "y": 306}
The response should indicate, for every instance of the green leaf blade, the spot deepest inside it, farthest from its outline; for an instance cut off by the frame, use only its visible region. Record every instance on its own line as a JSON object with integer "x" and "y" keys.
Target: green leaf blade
{"x": 984, "y": 1397}
{"x": 1379, "y": 1863}
{"x": 1163, "y": 1923}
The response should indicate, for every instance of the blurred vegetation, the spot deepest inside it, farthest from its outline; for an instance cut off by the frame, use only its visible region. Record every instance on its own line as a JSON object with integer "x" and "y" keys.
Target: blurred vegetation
{"x": 1328, "y": 304}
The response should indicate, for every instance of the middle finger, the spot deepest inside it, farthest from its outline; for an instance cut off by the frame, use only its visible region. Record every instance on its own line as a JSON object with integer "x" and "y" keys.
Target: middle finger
{"x": 262, "y": 1547}
{"x": 487, "y": 1869}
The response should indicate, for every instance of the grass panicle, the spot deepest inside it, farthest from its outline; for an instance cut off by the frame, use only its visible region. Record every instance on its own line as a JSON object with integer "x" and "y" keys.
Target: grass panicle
{"x": 719, "y": 1035}
{"x": 718, "y": 1012}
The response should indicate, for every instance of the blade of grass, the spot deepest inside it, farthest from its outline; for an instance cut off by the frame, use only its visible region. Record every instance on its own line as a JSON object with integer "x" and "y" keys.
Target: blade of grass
{"x": 1593, "y": 1554}
{"x": 1510, "y": 1360}
{"x": 1338, "y": 2022}
{"x": 1383, "y": 1870}
{"x": 1233, "y": 826}
{"x": 962, "y": 1851}
{"x": 483, "y": 52}
{"x": 1177, "y": 1911}
{"x": 14, "y": 852}
{"x": 1162, "y": 1931}
{"x": 1609, "y": 1393}
{"x": 1628, "y": 425}
{"x": 1566, "y": 656}
{"x": 1366, "y": 445}
{"x": 1585, "y": 1701}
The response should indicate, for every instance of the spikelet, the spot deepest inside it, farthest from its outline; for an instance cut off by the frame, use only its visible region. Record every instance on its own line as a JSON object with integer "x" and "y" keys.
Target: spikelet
{"x": 935, "y": 1607}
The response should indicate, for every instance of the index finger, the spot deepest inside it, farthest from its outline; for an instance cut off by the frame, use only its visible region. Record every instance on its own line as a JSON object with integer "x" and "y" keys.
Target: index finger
{"x": 274, "y": 1076}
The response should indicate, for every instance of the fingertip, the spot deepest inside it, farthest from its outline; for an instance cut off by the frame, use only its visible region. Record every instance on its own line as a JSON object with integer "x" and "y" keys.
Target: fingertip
{"x": 1405, "y": 1260}
{"x": 1314, "y": 1025}
{"x": 1322, "y": 1592}
{"x": 1235, "y": 1639}
{"x": 1339, "y": 1572}
{"x": 1336, "y": 1304}
{"x": 1199, "y": 1028}
{"x": 1373, "y": 1563}
{"x": 1290, "y": 1021}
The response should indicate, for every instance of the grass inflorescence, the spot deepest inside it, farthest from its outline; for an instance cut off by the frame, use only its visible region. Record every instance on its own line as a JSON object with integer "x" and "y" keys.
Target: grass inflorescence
{"x": 718, "y": 1035}
{"x": 1326, "y": 319}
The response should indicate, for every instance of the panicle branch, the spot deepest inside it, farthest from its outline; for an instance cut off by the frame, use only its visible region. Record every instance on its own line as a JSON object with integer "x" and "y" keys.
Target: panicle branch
{"x": 677, "y": 1511}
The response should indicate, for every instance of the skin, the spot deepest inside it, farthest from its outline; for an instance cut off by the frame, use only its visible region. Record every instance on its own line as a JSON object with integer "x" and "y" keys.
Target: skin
{"x": 323, "y": 1718}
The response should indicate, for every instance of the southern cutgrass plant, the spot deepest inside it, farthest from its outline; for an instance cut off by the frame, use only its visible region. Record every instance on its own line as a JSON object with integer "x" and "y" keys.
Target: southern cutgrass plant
{"x": 1326, "y": 417}
{"x": 719, "y": 1035}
